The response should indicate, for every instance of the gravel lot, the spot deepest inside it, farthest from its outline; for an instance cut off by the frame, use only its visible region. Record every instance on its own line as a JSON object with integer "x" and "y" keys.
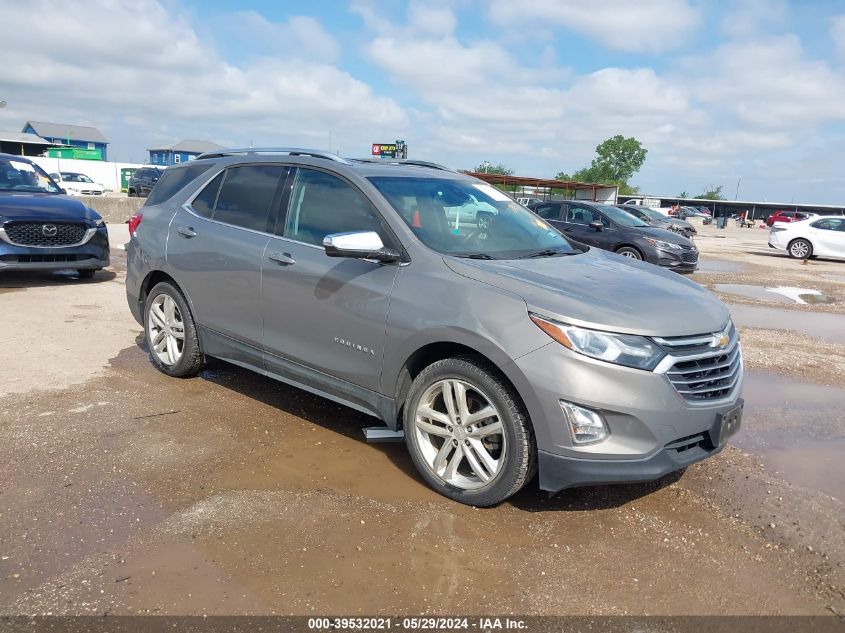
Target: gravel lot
{"x": 125, "y": 491}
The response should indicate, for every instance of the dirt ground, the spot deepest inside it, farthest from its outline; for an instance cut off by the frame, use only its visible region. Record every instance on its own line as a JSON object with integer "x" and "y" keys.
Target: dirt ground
{"x": 125, "y": 491}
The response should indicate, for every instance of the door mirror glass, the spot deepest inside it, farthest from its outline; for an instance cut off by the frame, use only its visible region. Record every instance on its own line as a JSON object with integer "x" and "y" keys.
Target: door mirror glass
{"x": 598, "y": 226}
{"x": 359, "y": 245}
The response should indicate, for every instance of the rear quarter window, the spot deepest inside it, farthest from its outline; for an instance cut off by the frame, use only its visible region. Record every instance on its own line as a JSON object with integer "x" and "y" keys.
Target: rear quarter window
{"x": 172, "y": 181}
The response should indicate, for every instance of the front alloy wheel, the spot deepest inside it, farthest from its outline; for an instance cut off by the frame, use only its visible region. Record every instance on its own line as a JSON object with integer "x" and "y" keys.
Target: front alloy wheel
{"x": 459, "y": 434}
{"x": 801, "y": 249}
{"x": 467, "y": 431}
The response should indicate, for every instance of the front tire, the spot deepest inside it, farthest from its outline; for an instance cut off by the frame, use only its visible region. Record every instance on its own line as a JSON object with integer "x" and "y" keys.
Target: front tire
{"x": 800, "y": 249}
{"x": 170, "y": 332}
{"x": 629, "y": 251}
{"x": 468, "y": 433}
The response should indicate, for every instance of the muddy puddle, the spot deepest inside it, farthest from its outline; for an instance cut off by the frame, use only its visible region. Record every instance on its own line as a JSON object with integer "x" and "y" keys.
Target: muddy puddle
{"x": 781, "y": 294}
{"x": 711, "y": 266}
{"x": 797, "y": 430}
{"x": 827, "y": 326}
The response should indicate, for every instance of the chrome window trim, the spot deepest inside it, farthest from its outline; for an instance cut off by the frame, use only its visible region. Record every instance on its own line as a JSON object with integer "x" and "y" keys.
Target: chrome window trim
{"x": 89, "y": 233}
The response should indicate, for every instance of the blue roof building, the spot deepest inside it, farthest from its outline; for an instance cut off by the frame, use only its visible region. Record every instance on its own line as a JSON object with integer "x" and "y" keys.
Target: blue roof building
{"x": 181, "y": 152}
{"x": 81, "y": 137}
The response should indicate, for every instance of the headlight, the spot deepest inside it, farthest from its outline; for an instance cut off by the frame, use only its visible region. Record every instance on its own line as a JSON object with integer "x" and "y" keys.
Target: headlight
{"x": 621, "y": 349}
{"x": 100, "y": 223}
{"x": 666, "y": 246}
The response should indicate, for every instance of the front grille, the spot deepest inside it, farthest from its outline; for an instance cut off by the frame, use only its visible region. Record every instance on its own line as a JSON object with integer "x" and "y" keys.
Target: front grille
{"x": 685, "y": 444}
{"x": 701, "y": 372}
{"x": 689, "y": 257}
{"x": 42, "y": 233}
{"x": 91, "y": 192}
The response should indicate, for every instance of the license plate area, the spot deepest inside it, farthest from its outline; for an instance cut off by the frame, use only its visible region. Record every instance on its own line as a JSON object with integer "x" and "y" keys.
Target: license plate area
{"x": 728, "y": 423}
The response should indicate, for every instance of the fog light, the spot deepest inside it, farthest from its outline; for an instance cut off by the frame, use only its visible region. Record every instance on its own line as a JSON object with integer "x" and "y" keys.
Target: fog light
{"x": 585, "y": 426}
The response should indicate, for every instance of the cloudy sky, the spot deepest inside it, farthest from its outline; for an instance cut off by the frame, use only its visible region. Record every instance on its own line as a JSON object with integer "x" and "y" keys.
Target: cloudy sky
{"x": 715, "y": 90}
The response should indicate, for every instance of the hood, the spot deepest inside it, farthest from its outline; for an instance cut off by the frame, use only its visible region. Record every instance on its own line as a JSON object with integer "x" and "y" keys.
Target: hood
{"x": 43, "y": 207}
{"x": 604, "y": 291}
{"x": 95, "y": 186}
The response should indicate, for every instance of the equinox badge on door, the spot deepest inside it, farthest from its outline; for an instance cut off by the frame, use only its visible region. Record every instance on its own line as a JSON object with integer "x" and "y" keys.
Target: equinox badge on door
{"x": 352, "y": 345}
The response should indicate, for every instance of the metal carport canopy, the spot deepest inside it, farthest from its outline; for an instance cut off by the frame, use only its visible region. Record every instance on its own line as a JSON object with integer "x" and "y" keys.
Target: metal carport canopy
{"x": 580, "y": 188}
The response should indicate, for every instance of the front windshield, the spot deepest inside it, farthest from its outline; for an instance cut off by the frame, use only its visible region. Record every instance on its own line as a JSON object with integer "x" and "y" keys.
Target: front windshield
{"x": 71, "y": 177}
{"x": 466, "y": 218}
{"x": 24, "y": 177}
{"x": 619, "y": 216}
{"x": 654, "y": 215}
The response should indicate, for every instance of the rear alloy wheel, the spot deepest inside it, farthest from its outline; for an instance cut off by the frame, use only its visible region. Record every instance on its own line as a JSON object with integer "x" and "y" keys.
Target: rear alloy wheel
{"x": 170, "y": 332}
{"x": 628, "y": 251}
{"x": 800, "y": 249}
{"x": 483, "y": 221}
{"x": 467, "y": 432}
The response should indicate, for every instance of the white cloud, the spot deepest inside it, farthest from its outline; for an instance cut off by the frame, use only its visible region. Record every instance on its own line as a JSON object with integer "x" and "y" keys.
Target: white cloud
{"x": 644, "y": 25}
{"x": 749, "y": 18}
{"x": 837, "y": 34}
{"x": 158, "y": 80}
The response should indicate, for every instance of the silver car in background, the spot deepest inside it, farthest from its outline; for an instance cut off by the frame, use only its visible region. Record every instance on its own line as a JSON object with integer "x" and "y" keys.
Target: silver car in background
{"x": 500, "y": 350}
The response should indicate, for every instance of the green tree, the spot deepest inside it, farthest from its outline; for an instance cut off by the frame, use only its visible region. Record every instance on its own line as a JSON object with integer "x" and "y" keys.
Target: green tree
{"x": 714, "y": 192}
{"x": 499, "y": 168}
{"x": 683, "y": 194}
{"x": 617, "y": 160}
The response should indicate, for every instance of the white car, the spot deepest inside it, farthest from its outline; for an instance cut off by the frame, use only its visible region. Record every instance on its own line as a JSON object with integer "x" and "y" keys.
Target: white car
{"x": 472, "y": 211}
{"x": 76, "y": 184}
{"x": 822, "y": 236}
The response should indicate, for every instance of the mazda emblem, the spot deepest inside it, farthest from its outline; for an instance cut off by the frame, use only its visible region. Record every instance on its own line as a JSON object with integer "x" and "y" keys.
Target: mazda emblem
{"x": 49, "y": 230}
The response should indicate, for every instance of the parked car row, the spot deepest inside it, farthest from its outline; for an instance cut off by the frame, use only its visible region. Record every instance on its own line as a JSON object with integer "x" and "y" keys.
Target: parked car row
{"x": 500, "y": 347}
{"x": 789, "y": 216}
{"x": 613, "y": 229}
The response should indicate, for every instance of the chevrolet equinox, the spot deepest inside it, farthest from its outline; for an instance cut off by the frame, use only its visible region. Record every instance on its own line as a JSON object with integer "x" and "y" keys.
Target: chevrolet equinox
{"x": 501, "y": 350}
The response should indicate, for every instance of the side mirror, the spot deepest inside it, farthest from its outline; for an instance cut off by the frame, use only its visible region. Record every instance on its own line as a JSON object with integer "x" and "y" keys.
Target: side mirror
{"x": 596, "y": 226}
{"x": 359, "y": 245}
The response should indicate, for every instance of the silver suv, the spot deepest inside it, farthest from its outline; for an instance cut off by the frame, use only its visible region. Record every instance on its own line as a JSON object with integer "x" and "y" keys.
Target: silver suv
{"x": 500, "y": 350}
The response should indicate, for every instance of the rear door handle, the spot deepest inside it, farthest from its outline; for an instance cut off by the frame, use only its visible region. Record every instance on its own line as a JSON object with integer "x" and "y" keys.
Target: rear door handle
{"x": 281, "y": 258}
{"x": 185, "y": 231}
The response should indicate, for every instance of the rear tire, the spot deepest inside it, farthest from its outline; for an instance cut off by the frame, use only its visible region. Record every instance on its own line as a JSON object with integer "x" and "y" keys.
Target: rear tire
{"x": 500, "y": 445}
{"x": 629, "y": 251}
{"x": 800, "y": 249}
{"x": 170, "y": 332}
{"x": 131, "y": 193}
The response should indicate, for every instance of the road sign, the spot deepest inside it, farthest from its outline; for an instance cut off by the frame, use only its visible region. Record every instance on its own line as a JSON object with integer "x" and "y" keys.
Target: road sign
{"x": 390, "y": 150}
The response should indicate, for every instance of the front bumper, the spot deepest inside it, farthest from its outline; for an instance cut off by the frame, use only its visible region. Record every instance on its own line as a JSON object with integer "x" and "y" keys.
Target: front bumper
{"x": 648, "y": 420}
{"x": 92, "y": 255}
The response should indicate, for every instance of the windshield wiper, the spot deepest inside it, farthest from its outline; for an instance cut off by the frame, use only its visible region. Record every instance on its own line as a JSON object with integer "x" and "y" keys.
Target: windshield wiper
{"x": 474, "y": 255}
{"x": 546, "y": 252}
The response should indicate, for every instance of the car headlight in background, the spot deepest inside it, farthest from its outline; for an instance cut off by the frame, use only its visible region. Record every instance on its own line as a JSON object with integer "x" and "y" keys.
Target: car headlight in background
{"x": 629, "y": 350}
{"x": 666, "y": 246}
{"x": 100, "y": 223}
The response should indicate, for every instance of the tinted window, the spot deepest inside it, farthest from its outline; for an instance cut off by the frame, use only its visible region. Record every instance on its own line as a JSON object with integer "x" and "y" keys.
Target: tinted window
{"x": 830, "y": 225}
{"x": 247, "y": 195}
{"x": 173, "y": 180}
{"x": 548, "y": 211}
{"x": 203, "y": 204}
{"x": 322, "y": 204}
{"x": 582, "y": 215}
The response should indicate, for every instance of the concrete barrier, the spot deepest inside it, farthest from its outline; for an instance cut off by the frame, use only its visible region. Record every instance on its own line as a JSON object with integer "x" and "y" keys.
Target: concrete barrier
{"x": 115, "y": 210}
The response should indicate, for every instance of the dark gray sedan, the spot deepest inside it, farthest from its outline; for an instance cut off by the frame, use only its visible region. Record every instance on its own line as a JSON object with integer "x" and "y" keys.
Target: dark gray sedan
{"x": 610, "y": 228}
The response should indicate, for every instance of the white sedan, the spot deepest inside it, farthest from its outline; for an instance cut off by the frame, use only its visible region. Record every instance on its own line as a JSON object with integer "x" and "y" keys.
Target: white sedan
{"x": 76, "y": 184}
{"x": 814, "y": 237}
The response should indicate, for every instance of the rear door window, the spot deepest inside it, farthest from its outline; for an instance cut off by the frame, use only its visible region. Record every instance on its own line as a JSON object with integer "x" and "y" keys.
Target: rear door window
{"x": 548, "y": 211}
{"x": 247, "y": 194}
{"x": 173, "y": 180}
{"x": 203, "y": 204}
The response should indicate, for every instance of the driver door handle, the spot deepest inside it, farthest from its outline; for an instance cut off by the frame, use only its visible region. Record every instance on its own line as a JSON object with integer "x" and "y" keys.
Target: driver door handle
{"x": 281, "y": 258}
{"x": 186, "y": 231}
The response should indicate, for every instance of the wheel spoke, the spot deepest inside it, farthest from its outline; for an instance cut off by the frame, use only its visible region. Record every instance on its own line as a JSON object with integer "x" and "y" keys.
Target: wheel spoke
{"x": 161, "y": 344}
{"x": 457, "y": 458}
{"x": 478, "y": 450}
{"x": 426, "y": 411}
{"x": 177, "y": 332}
{"x": 493, "y": 428}
{"x": 476, "y": 466}
{"x": 449, "y": 401}
{"x": 169, "y": 311}
{"x": 478, "y": 416}
{"x": 157, "y": 316}
{"x": 157, "y": 339}
{"x": 171, "y": 349}
{"x": 433, "y": 429}
{"x": 460, "y": 391}
{"x": 442, "y": 457}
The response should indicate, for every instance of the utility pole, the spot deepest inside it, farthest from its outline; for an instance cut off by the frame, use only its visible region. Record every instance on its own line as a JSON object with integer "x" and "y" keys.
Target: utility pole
{"x": 736, "y": 195}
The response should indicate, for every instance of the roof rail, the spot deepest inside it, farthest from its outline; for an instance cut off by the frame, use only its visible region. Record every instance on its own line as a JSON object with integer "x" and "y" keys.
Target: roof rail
{"x": 404, "y": 161}
{"x": 290, "y": 151}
